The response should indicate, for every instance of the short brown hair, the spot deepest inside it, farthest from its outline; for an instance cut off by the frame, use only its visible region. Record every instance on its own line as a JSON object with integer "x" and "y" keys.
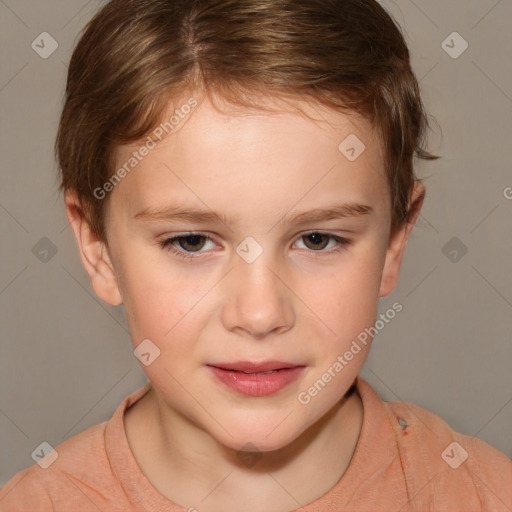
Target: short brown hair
{"x": 136, "y": 55}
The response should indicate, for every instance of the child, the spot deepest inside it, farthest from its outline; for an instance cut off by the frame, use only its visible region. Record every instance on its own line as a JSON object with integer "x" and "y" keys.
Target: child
{"x": 238, "y": 174}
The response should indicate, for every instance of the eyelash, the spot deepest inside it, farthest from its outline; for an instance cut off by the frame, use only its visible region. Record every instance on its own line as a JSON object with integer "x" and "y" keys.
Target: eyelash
{"x": 167, "y": 244}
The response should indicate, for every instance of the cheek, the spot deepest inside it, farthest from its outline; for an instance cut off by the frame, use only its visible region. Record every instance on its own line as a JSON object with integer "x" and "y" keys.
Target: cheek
{"x": 165, "y": 302}
{"x": 157, "y": 298}
{"x": 348, "y": 305}
{"x": 346, "y": 299}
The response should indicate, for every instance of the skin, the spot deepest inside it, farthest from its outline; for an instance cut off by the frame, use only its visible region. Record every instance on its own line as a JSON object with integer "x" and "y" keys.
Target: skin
{"x": 299, "y": 301}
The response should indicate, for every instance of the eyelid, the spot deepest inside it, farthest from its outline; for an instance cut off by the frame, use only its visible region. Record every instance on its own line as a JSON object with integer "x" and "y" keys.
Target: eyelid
{"x": 170, "y": 239}
{"x": 167, "y": 243}
{"x": 341, "y": 241}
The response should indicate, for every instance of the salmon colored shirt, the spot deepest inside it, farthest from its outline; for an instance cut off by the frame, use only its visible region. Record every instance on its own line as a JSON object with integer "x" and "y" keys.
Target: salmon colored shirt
{"x": 404, "y": 461}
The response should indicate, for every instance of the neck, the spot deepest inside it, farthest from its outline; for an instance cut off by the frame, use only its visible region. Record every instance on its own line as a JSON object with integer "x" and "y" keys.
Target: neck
{"x": 190, "y": 468}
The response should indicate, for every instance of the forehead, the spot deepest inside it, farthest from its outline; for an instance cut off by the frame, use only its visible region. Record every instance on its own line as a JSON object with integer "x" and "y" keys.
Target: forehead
{"x": 237, "y": 152}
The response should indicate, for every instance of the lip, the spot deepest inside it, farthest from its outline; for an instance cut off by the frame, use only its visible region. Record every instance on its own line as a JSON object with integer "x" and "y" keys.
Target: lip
{"x": 254, "y": 367}
{"x": 247, "y": 377}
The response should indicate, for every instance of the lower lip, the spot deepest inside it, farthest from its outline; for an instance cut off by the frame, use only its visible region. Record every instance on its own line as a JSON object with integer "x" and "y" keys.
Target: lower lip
{"x": 257, "y": 384}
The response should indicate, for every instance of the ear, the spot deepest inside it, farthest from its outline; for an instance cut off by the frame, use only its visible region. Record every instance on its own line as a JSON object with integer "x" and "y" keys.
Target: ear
{"x": 93, "y": 252}
{"x": 398, "y": 242}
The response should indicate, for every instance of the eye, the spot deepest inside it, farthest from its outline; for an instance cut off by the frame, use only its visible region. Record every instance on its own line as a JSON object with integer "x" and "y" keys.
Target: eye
{"x": 189, "y": 243}
{"x": 317, "y": 242}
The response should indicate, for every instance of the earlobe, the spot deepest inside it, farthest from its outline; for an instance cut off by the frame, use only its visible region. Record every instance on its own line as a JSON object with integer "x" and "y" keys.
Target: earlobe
{"x": 93, "y": 253}
{"x": 398, "y": 242}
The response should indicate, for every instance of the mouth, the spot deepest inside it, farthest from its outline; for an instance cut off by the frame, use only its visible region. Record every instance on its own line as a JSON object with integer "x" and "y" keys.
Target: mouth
{"x": 255, "y": 367}
{"x": 256, "y": 378}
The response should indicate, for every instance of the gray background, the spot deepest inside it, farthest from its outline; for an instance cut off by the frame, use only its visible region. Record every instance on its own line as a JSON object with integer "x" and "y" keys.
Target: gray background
{"x": 66, "y": 360}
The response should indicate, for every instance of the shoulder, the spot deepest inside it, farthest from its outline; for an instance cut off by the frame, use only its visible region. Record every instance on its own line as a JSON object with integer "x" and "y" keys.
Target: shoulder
{"x": 59, "y": 473}
{"x": 79, "y": 473}
{"x": 447, "y": 465}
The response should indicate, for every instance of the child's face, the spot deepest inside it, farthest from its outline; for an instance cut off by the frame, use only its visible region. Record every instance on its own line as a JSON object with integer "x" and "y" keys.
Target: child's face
{"x": 302, "y": 301}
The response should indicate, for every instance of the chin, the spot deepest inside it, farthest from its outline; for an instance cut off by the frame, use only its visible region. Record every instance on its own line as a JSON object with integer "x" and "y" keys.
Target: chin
{"x": 262, "y": 436}
{"x": 259, "y": 442}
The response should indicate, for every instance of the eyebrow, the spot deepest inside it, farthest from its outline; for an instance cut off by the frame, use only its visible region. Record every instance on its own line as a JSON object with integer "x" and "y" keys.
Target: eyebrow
{"x": 200, "y": 216}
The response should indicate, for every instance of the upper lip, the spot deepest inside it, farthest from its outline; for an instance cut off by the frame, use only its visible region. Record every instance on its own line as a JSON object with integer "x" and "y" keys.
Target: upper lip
{"x": 254, "y": 367}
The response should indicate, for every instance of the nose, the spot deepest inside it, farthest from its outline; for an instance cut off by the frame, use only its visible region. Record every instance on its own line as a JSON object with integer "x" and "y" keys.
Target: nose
{"x": 258, "y": 301}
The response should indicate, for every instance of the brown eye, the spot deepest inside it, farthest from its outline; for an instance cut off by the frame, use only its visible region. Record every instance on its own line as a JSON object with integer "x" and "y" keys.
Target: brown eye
{"x": 191, "y": 242}
{"x": 186, "y": 245}
{"x": 316, "y": 241}
{"x": 323, "y": 243}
